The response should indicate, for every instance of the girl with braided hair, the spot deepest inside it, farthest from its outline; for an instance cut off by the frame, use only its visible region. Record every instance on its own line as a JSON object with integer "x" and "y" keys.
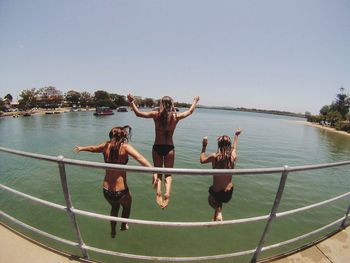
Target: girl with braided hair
{"x": 221, "y": 190}
{"x": 115, "y": 188}
{"x": 163, "y": 151}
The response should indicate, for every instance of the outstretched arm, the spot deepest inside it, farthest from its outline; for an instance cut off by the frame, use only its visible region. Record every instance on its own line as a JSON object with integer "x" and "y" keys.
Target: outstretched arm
{"x": 142, "y": 160}
{"x": 137, "y": 156}
{"x": 138, "y": 113}
{"x": 188, "y": 112}
{"x": 203, "y": 158}
{"x": 91, "y": 148}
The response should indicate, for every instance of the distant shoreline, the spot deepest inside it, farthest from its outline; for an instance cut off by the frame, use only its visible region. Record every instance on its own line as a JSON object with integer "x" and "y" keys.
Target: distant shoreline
{"x": 273, "y": 112}
{"x": 323, "y": 127}
{"x": 40, "y": 111}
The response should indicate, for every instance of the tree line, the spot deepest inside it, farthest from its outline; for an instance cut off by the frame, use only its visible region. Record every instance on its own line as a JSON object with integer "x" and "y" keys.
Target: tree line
{"x": 335, "y": 115}
{"x": 50, "y": 97}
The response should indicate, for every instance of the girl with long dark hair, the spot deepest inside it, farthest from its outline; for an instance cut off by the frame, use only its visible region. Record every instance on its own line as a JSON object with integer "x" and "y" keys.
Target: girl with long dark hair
{"x": 115, "y": 188}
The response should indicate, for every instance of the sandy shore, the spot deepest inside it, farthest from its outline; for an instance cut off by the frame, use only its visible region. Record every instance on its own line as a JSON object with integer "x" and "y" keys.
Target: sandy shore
{"x": 41, "y": 111}
{"x": 323, "y": 127}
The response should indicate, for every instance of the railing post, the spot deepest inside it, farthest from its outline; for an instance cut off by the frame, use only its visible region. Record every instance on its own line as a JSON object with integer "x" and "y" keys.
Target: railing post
{"x": 272, "y": 213}
{"x": 345, "y": 218}
{"x": 70, "y": 205}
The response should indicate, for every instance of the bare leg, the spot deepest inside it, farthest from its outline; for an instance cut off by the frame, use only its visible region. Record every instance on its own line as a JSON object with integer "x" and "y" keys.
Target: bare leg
{"x": 218, "y": 213}
{"x": 168, "y": 163}
{"x": 126, "y": 204}
{"x": 114, "y": 212}
{"x": 158, "y": 162}
{"x": 167, "y": 185}
{"x": 159, "y": 198}
{"x": 217, "y": 208}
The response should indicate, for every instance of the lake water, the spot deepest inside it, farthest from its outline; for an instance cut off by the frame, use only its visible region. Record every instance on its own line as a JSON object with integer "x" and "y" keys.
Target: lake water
{"x": 266, "y": 141}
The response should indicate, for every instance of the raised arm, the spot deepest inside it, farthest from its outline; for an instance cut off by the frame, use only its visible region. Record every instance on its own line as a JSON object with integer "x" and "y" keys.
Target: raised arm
{"x": 188, "y": 112}
{"x": 142, "y": 160}
{"x": 137, "y": 156}
{"x": 235, "y": 138}
{"x": 91, "y": 148}
{"x": 138, "y": 113}
{"x": 203, "y": 158}
{"x": 235, "y": 142}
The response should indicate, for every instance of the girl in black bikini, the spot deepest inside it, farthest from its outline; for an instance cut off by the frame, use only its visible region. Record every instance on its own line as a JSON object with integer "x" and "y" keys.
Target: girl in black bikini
{"x": 115, "y": 188}
{"x": 163, "y": 151}
{"x": 221, "y": 190}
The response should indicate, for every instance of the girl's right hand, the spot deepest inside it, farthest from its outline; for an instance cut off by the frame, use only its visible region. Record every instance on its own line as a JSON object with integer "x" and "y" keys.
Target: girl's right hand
{"x": 76, "y": 149}
{"x": 205, "y": 141}
{"x": 238, "y": 131}
{"x": 130, "y": 98}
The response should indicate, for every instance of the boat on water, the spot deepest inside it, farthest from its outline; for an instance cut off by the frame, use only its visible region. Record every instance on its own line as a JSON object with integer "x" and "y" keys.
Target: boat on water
{"x": 122, "y": 109}
{"x": 74, "y": 109}
{"x": 102, "y": 111}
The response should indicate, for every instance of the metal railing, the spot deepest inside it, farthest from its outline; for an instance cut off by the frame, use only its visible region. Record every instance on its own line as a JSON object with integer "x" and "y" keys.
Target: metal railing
{"x": 72, "y": 212}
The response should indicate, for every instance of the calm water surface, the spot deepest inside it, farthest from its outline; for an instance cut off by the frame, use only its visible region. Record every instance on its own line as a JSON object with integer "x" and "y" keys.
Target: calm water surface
{"x": 266, "y": 141}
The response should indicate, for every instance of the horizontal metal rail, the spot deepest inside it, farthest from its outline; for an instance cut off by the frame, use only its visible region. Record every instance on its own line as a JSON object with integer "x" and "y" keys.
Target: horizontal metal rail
{"x": 303, "y": 236}
{"x": 35, "y": 199}
{"x": 312, "y": 206}
{"x": 182, "y": 171}
{"x": 71, "y": 211}
{"x": 169, "y": 224}
{"x": 40, "y": 232}
{"x": 174, "y": 259}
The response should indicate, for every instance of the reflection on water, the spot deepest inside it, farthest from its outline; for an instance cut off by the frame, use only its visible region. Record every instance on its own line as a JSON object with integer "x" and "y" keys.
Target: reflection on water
{"x": 266, "y": 141}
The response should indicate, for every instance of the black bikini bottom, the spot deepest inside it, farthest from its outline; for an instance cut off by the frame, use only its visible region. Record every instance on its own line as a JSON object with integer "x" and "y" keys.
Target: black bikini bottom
{"x": 221, "y": 196}
{"x": 114, "y": 196}
{"x": 163, "y": 149}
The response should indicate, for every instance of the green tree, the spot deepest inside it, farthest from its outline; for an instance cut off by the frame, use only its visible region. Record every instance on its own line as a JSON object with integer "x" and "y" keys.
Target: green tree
{"x": 102, "y": 98}
{"x": 334, "y": 117}
{"x": 86, "y": 99}
{"x": 118, "y": 100}
{"x": 2, "y": 104}
{"x": 49, "y": 97}
{"x": 8, "y": 97}
{"x": 148, "y": 102}
{"x": 73, "y": 97}
{"x": 342, "y": 103}
{"x": 324, "y": 110}
{"x": 28, "y": 99}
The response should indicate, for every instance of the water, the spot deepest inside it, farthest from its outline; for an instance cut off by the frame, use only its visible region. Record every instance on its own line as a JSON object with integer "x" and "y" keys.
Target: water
{"x": 266, "y": 141}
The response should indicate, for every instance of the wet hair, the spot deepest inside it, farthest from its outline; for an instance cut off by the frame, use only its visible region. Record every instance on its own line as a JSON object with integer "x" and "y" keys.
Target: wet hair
{"x": 223, "y": 158}
{"x": 117, "y": 136}
{"x": 166, "y": 110}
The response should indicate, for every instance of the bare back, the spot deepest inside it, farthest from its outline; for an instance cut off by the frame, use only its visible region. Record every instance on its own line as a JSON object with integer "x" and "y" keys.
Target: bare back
{"x": 164, "y": 135}
{"x": 115, "y": 180}
{"x": 223, "y": 182}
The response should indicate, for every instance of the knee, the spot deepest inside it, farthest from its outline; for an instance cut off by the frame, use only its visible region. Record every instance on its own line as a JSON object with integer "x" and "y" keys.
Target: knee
{"x": 212, "y": 202}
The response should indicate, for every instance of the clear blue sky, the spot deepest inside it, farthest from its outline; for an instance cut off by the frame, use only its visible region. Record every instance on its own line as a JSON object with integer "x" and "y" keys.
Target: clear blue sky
{"x": 273, "y": 54}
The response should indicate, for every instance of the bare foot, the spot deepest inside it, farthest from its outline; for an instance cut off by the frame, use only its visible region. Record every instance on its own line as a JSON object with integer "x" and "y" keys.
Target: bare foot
{"x": 159, "y": 199}
{"x": 165, "y": 201}
{"x": 219, "y": 216}
{"x": 124, "y": 227}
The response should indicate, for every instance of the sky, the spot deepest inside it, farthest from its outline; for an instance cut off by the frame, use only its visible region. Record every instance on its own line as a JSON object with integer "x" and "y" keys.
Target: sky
{"x": 272, "y": 54}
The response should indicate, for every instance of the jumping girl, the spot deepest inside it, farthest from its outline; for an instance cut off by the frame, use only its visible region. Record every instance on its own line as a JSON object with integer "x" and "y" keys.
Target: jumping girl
{"x": 221, "y": 190}
{"x": 115, "y": 188}
{"x": 163, "y": 150}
